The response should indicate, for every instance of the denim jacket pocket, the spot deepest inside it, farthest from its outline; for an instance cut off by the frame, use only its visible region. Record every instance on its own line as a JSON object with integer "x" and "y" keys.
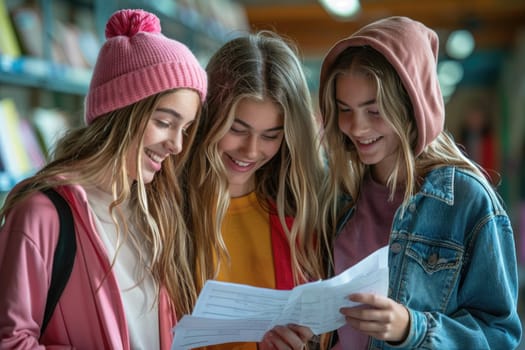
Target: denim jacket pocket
{"x": 430, "y": 271}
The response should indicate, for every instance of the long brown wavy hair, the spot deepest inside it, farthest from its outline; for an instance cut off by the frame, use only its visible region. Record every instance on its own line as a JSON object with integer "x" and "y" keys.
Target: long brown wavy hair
{"x": 262, "y": 66}
{"x": 96, "y": 154}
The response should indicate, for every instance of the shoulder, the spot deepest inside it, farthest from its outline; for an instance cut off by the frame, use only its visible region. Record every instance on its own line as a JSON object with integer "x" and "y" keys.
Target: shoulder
{"x": 34, "y": 221}
{"x": 36, "y": 208}
{"x": 461, "y": 187}
{"x": 32, "y": 225}
{"x": 478, "y": 190}
{"x": 36, "y": 213}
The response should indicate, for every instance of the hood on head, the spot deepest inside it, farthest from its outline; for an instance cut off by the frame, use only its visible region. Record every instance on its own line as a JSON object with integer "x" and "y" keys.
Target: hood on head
{"x": 412, "y": 49}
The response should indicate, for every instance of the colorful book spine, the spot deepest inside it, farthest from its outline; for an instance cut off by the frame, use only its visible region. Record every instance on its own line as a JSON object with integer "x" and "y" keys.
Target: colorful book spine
{"x": 9, "y": 44}
{"x": 15, "y": 157}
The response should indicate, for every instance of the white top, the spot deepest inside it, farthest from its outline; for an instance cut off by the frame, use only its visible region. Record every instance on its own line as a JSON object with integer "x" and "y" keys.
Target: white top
{"x": 136, "y": 284}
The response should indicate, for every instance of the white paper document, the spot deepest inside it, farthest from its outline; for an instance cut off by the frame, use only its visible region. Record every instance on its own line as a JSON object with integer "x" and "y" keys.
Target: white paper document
{"x": 230, "y": 312}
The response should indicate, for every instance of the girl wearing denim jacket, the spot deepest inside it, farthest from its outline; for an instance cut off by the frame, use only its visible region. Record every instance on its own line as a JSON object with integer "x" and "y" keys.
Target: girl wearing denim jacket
{"x": 453, "y": 280}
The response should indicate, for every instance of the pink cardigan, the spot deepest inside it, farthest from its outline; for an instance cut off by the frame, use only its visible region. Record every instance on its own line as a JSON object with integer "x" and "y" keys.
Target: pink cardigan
{"x": 90, "y": 314}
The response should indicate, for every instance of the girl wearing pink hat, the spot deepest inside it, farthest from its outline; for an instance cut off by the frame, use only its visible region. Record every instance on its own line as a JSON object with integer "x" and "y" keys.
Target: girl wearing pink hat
{"x": 453, "y": 277}
{"x": 133, "y": 271}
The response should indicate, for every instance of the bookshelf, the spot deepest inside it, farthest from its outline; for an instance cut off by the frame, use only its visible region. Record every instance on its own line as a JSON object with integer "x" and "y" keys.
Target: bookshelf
{"x": 48, "y": 49}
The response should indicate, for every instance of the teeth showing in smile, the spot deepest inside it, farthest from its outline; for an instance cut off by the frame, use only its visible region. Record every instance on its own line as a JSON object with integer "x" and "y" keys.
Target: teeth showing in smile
{"x": 155, "y": 157}
{"x": 239, "y": 163}
{"x": 369, "y": 141}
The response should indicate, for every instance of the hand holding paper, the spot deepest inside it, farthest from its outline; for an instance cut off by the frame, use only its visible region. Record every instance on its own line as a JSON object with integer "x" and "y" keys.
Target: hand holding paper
{"x": 229, "y": 312}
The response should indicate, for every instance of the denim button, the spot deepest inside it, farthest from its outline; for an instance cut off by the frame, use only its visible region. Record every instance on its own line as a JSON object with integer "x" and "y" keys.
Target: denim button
{"x": 412, "y": 207}
{"x": 395, "y": 247}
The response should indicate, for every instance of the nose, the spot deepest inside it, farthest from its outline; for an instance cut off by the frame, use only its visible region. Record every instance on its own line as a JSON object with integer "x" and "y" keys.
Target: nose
{"x": 354, "y": 125}
{"x": 175, "y": 143}
{"x": 250, "y": 146}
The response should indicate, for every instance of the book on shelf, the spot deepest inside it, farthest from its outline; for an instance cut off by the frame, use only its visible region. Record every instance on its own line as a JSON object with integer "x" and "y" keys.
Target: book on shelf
{"x": 49, "y": 125}
{"x": 88, "y": 41}
{"x": 9, "y": 44}
{"x": 31, "y": 144}
{"x": 229, "y": 14}
{"x": 74, "y": 33}
{"x": 72, "y": 41}
{"x": 28, "y": 26}
{"x": 67, "y": 34}
{"x": 20, "y": 152}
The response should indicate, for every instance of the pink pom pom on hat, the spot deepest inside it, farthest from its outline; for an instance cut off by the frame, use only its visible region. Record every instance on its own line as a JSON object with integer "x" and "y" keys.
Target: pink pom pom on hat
{"x": 138, "y": 61}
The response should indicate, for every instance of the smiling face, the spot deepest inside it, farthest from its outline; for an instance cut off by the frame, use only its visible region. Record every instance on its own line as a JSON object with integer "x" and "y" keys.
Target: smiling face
{"x": 359, "y": 119}
{"x": 164, "y": 132}
{"x": 254, "y": 139}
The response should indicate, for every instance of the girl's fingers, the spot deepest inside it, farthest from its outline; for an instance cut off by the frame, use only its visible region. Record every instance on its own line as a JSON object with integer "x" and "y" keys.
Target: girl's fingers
{"x": 373, "y": 300}
{"x": 304, "y": 333}
{"x": 377, "y": 316}
{"x": 291, "y": 337}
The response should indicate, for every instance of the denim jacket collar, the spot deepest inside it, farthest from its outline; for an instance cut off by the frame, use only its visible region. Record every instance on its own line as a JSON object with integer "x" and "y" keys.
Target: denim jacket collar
{"x": 439, "y": 184}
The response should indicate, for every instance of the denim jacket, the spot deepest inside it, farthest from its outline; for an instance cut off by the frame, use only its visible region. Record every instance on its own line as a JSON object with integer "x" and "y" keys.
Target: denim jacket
{"x": 452, "y": 263}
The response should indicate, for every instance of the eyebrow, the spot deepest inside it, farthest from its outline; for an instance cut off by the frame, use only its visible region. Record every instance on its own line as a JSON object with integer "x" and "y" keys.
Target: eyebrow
{"x": 243, "y": 123}
{"x": 366, "y": 103}
{"x": 170, "y": 111}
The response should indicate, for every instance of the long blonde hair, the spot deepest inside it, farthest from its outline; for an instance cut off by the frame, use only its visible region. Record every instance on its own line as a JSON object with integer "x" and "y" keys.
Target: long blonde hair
{"x": 347, "y": 171}
{"x": 95, "y": 153}
{"x": 263, "y": 66}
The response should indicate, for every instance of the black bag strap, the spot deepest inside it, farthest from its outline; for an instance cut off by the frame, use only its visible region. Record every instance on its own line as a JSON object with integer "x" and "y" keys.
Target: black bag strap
{"x": 64, "y": 256}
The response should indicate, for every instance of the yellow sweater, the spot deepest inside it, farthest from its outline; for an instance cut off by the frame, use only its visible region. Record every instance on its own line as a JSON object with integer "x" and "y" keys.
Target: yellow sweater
{"x": 246, "y": 232}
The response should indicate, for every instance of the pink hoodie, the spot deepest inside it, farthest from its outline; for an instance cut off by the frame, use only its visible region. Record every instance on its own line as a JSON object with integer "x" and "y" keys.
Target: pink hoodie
{"x": 90, "y": 314}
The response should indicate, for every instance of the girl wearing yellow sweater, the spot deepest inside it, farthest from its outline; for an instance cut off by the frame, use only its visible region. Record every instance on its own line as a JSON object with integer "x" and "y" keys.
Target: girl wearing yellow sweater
{"x": 257, "y": 172}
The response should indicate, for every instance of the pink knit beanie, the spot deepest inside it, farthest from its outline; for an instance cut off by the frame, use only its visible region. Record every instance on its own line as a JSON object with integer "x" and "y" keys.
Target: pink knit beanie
{"x": 138, "y": 61}
{"x": 412, "y": 49}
